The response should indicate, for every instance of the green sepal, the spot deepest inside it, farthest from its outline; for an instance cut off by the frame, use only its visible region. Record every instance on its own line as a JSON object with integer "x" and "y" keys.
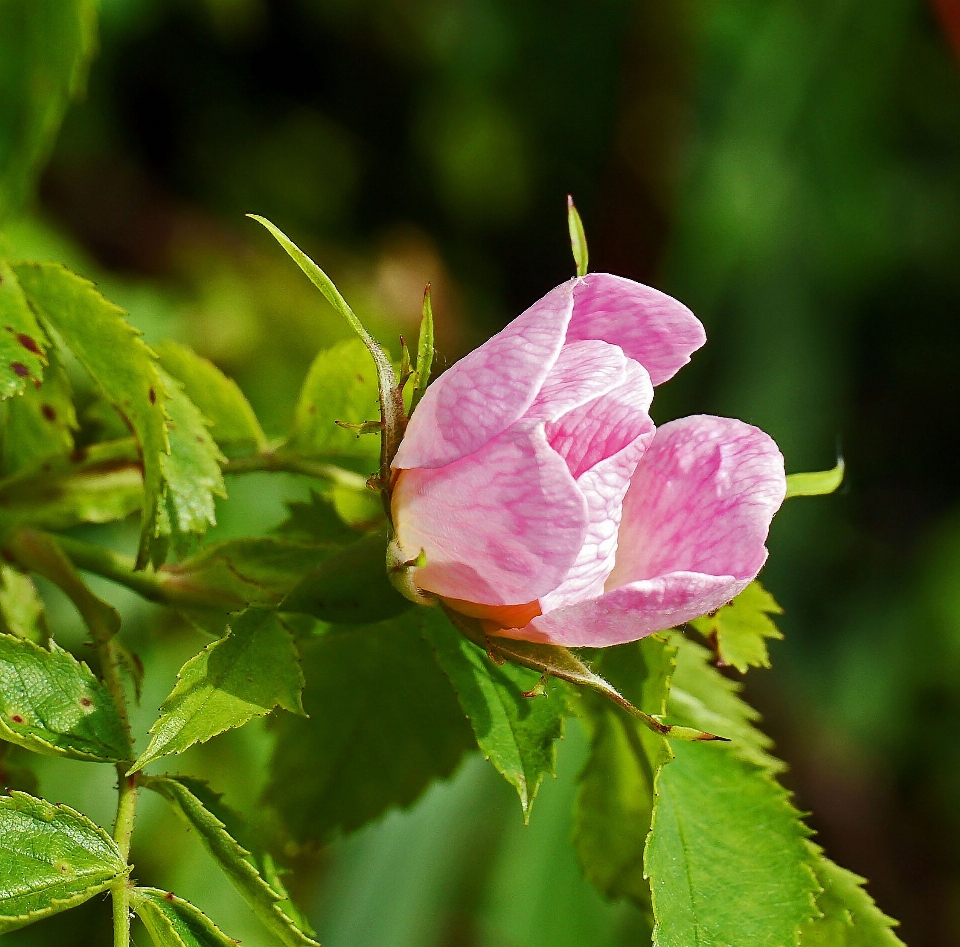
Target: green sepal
{"x": 516, "y": 733}
{"x": 424, "y": 351}
{"x": 246, "y": 674}
{"x": 815, "y": 484}
{"x": 52, "y": 704}
{"x": 738, "y": 631}
{"x": 173, "y": 922}
{"x": 578, "y": 239}
{"x": 197, "y": 804}
{"x": 52, "y": 858}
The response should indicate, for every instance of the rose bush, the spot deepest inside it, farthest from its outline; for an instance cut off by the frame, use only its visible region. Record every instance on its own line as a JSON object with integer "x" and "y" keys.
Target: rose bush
{"x": 545, "y": 501}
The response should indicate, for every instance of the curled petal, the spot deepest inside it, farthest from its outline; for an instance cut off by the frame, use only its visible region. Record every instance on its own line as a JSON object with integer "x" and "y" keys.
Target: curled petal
{"x": 633, "y": 611}
{"x": 651, "y": 327}
{"x": 502, "y": 526}
{"x": 489, "y": 389}
{"x": 583, "y": 371}
{"x": 701, "y": 500}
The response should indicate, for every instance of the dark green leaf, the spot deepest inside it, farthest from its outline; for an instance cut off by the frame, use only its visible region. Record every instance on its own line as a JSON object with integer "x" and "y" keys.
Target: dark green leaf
{"x": 516, "y": 733}
{"x": 21, "y": 610}
{"x": 46, "y": 46}
{"x": 739, "y": 630}
{"x": 14, "y": 771}
{"x": 383, "y": 724}
{"x": 194, "y": 803}
{"x": 815, "y": 484}
{"x": 41, "y": 422}
{"x": 191, "y": 469}
{"x": 350, "y": 586}
{"x": 22, "y": 341}
{"x": 340, "y": 386}
{"x": 244, "y": 675}
{"x": 615, "y": 803}
{"x": 51, "y": 859}
{"x": 850, "y": 917}
{"x": 173, "y": 922}
{"x": 220, "y": 400}
{"x": 98, "y": 333}
{"x": 51, "y": 703}
{"x": 315, "y": 521}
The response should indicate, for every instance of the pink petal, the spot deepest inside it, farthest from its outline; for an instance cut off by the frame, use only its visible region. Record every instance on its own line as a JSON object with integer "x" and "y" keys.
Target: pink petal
{"x": 602, "y": 427}
{"x": 633, "y": 611}
{"x": 701, "y": 501}
{"x": 604, "y": 486}
{"x": 502, "y": 526}
{"x": 692, "y": 535}
{"x": 583, "y": 371}
{"x": 489, "y": 389}
{"x": 651, "y": 327}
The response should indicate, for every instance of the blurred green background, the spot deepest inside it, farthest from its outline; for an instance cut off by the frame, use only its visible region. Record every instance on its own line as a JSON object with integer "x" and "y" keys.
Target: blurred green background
{"x": 788, "y": 168}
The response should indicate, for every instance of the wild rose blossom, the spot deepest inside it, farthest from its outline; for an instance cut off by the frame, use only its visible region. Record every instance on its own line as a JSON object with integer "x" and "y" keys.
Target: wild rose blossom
{"x": 546, "y": 502}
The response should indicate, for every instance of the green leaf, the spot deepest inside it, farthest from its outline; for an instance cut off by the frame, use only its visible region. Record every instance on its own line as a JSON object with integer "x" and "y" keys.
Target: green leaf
{"x": 250, "y": 571}
{"x": 815, "y": 484}
{"x": 111, "y": 351}
{"x": 193, "y": 801}
{"x": 701, "y": 695}
{"x": 45, "y": 47}
{"x": 727, "y": 857}
{"x": 424, "y": 351}
{"x": 173, "y": 922}
{"x": 849, "y": 916}
{"x": 191, "y": 469}
{"x": 340, "y": 386}
{"x": 22, "y": 341}
{"x": 244, "y": 675}
{"x": 739, "y": 630}
{"x": 350, "y": 586}
{"x": 392, "y": 411}
{"x": 315, "y": 521}
{"x": 615, "y": 802}
{"x": 51, "y": 859}
{"x": 220, "y": 400}
{"x": 578, "y": 239}
{"x": 52, "y": 704}
{"x": 516, "y": 733}
{"x": 21, "y": 610}
{"x": 383, "y": 724}
{"x": 41, "y": 422}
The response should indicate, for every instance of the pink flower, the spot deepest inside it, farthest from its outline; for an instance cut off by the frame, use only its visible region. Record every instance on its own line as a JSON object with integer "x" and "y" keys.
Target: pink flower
{"x": 546, "y": 502}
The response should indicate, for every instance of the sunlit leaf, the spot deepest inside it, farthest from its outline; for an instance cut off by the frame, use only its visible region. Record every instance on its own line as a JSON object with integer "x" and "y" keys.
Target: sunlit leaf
{"x": 197, "y": 805}
{"x": 22, "y": 341}
{"x": 47, "y": 45}
{"x": 244, "y": 675}
{"x": 52, "y": 704}
{"x": 110, "y": 349}
{"x": 173, "y": 922}
{"x": 739, "y": 630}
{"x": 21, "y": 610}
{"x": 383, "y": 724}
{"x": 51, "y": 859}
{"x": 340, "y": 386}
{"x": 41, "y": 422}
{"x": 516, "y": 733}
{"x": 850, "y": 917}
{"x": 233, "y": 423}
{"x": 815, "y": 484}
{"x": 191, "y": 470}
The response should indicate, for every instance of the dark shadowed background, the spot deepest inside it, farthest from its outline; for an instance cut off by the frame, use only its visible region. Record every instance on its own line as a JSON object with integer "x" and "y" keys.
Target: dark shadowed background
{"x": 790, "y": 169}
